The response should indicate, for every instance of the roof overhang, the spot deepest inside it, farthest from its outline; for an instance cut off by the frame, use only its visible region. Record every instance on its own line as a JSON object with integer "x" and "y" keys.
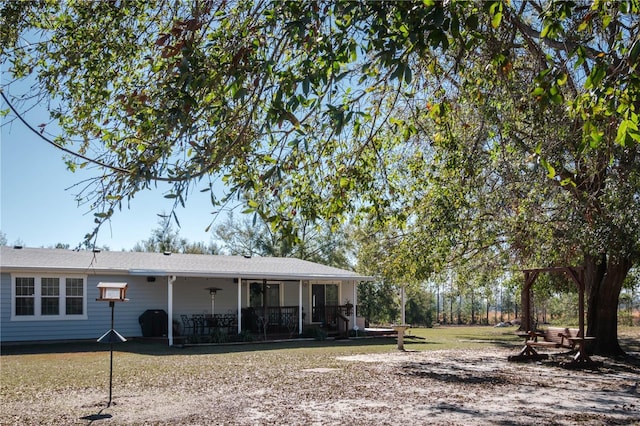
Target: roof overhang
{"x": 191, "y": 274}
{"x": 58, "y": 261}
{"x": 248, "y": 276}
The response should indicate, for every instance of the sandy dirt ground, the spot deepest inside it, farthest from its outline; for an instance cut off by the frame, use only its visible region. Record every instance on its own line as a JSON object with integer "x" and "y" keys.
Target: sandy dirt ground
{"x": 453, "y": 387}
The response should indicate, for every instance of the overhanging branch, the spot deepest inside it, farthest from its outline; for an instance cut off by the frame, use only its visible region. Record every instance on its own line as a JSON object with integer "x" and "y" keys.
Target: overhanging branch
{"x": 57, "y": 145}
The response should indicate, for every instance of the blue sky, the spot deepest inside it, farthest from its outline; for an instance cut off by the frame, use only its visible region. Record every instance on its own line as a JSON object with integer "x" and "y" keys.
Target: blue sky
{"x": 38, "y": 208}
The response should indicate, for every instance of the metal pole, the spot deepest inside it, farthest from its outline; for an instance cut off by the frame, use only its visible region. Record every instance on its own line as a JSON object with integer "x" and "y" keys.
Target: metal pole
{"x": 112, "y": 304}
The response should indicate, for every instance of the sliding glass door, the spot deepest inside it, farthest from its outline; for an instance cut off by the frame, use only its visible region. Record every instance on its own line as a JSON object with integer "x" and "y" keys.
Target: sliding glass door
{"x": 324, "y": 299}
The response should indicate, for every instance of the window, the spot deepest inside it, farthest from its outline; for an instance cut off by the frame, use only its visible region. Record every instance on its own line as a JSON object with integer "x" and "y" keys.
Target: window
{"x": 25, "y": 296}
{"x": 50, "y": 302}
{"x": 49, "y": 297}
{"x": 74, "y": 296}
{"x": 264, "y": 294}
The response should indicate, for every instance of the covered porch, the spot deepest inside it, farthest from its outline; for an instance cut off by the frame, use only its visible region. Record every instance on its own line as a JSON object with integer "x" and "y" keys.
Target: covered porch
{"x": 205, "y": 309}
{"x": 273, "y": 322}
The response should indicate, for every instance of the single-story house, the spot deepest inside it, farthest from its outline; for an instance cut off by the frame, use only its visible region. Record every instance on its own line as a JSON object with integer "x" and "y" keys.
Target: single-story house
{"x": 53, "y": 294}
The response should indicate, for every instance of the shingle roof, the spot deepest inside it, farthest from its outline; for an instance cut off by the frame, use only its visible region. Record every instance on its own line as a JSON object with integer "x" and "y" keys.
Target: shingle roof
{"x": 159, "y": 264}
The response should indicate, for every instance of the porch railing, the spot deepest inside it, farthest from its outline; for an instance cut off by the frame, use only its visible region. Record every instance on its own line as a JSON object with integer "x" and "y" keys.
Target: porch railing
{"x": 328, "y": 315}
{"x": 273, "y": 318}
{"x": 283, "y": 319}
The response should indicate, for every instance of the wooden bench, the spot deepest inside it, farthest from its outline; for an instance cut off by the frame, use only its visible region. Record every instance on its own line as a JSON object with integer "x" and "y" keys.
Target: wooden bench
{"x": 551, "y": 337}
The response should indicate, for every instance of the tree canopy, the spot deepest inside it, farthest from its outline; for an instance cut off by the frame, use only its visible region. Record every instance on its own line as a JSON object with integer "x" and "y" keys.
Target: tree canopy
{"x": 316, "y": 243}
{"x": 507, "y": 129}
{"x": 269, "y": 93}
{"x": 165, "y": 238}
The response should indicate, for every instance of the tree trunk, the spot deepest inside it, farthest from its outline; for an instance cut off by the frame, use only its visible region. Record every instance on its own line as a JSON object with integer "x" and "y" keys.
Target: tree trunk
{"x": 603, "y": 282}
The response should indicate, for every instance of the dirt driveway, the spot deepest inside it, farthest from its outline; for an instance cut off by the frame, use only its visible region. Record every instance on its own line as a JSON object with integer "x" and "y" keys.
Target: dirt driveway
{"x": 447, "y": 387}
{"x": 468, "y": 387}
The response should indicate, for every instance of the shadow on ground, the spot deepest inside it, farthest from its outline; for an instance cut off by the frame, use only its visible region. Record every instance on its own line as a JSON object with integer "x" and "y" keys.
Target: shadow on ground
{"x": 158, "y": 348}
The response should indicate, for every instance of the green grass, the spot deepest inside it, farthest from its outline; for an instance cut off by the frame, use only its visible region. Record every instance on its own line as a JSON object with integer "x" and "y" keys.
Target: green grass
{"x": 31, "y": 371}
{"x": 463, "y": 337}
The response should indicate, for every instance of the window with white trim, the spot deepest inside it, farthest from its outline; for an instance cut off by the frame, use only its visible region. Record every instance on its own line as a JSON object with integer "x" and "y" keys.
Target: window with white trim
{"x": 25, "y": 296}
{"x": 74, "y": 302}
{"x": 49, "y": 297}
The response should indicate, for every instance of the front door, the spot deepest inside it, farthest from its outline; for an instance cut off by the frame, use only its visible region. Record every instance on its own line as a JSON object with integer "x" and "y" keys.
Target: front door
{"x": 324, "y": 300}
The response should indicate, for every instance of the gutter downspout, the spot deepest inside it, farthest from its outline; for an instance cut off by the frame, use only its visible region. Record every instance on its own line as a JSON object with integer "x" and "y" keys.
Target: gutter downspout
{"x": 170, "y": 280}
{"x": 300, "y": 307}
{"x": 239, "y": 315}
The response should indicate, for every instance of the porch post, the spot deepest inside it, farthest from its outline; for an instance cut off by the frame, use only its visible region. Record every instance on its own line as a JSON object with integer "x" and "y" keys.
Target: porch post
{"x": 300, "y": 307}
{"x": 239, "y": 305}
{"x": 355, "y": 303}
{"x": 170, "y": 280}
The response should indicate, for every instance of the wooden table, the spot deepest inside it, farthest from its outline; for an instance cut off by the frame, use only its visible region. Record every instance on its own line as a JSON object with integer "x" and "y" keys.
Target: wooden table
{"x": 582, "y": 359}
{"x": 581, "y": 355}
{"x": 527, "y": 352}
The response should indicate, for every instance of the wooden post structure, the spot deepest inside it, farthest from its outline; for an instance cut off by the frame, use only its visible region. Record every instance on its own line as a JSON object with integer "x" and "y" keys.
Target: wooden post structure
{"x": 581, "y": 358}
{"x": 578, "y": 276}
{"x": 530, "y": 276}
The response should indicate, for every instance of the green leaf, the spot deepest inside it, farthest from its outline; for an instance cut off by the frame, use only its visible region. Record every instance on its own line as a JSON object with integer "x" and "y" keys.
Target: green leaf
{"x": 538, "y": 91}
{"x": 545, "y": 31}
{"x": 455, "y": 26}
{"x": 634, "y": 52}
{"x": 561, "y": 80}
{"x": 399, "y": 71}
{"x": 596, "y": 138}
{"x": 567, "y": 181}
{"x": 472, "y": 22}
{"x": 407, "y": 75}
{"x": 583, "y": 25}
{"x": 621, "y": 136}
{"x": 551, "y": 172}
{"x": 495, "y": 21}
{"x": 597, "y": 75}
{"x": 627, "y": 129}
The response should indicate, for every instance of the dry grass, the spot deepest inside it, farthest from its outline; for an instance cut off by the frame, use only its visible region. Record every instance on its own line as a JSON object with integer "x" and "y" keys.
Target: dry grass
{"x": 333, "y": 382}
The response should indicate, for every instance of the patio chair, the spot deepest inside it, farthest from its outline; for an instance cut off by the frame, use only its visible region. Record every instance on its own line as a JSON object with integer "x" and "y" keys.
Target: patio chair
{"x": 230, "y": 323}
{"x": 188, "y": 326}
{"x": 199, "y": 323}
